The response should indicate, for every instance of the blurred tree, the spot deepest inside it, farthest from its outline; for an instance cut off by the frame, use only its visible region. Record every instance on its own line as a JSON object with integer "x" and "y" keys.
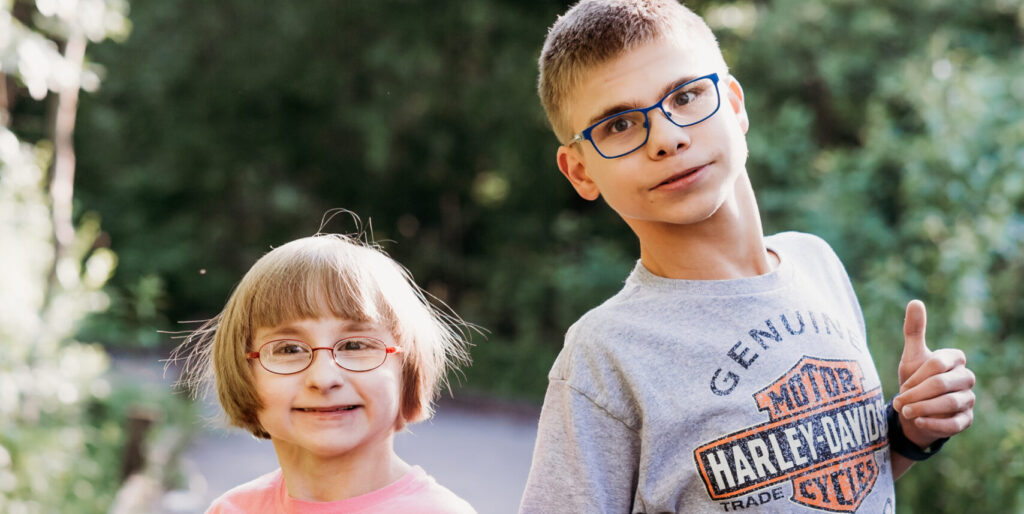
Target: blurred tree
{"x": 53, "y": 451}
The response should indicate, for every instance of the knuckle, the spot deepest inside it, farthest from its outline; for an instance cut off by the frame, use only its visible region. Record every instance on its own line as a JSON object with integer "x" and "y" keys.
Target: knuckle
{"x": 954, "y": 403}
{"x": 952, "y": 359}
{"x": 958, "y": 356}
{"x": 964, "y": 421}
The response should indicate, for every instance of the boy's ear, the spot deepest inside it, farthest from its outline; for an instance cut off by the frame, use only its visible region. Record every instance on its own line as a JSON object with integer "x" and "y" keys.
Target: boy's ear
{"x": 570, "y": 163}
{"x": 735, "y": 95}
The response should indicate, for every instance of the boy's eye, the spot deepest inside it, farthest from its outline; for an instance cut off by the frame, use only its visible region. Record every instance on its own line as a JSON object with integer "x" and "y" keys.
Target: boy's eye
{"x": 619, "y": 125}
{"x": 682, "y": 98}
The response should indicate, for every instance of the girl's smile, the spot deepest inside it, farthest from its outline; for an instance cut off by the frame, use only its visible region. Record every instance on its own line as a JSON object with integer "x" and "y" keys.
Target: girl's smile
{"x": 327, "y": 410}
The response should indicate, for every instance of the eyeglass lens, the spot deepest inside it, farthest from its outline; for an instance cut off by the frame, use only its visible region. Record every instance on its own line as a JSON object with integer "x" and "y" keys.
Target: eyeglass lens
{"x": 689, "y": 104}
{"x": 353, "y": 354}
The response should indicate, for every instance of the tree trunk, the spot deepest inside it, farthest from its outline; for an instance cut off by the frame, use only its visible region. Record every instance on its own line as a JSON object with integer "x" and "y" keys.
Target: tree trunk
{"x": 62, "y": 181}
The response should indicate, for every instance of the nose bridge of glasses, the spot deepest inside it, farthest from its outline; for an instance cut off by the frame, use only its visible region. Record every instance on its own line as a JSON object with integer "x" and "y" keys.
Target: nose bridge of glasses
{"x": 324, "y": 373}
{"x": 668, "y": 123}
{"x": 329, "y": 358}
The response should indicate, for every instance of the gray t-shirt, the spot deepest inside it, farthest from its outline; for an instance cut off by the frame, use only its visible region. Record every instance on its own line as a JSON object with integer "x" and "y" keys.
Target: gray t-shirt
{"x": 747, "y": 395}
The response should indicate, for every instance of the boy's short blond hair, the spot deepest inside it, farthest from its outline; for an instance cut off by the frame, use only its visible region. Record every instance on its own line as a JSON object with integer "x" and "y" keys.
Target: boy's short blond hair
{"x": 327, "y": 275}
{"x": 593, "y": 32}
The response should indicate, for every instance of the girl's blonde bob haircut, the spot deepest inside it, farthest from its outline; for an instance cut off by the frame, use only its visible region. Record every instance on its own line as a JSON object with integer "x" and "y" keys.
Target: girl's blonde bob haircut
{"x": 326, "y": 275}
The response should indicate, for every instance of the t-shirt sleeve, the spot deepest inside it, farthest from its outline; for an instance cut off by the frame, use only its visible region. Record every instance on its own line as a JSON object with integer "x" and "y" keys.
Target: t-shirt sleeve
{"x": 585, "y": 459}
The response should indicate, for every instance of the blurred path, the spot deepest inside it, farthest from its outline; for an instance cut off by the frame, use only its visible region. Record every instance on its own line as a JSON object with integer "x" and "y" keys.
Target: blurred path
{"x": 479, "y": 449}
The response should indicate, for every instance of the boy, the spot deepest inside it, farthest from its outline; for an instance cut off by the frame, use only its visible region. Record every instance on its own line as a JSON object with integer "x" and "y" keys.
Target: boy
{"x": 731, "y": 372}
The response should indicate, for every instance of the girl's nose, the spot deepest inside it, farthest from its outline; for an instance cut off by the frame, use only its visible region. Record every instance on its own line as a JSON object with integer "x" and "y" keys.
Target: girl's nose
{"x": 323, "y": 373}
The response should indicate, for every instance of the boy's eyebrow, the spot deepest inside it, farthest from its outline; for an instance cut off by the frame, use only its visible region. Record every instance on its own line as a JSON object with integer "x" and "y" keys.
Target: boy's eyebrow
{"x": 627, "y": 107}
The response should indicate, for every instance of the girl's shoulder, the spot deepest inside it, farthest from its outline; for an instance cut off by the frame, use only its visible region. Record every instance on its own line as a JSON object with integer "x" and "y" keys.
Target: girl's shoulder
{"x": 420, "y": 492}
{"x": 257, "y": 495}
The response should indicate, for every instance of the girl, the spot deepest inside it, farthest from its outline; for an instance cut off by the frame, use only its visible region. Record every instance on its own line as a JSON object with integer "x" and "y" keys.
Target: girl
{"x": 331, "y": 415}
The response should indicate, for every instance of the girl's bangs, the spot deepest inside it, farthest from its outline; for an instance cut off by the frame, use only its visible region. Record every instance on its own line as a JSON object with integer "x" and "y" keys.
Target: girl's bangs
{"x": 310, "y": 290}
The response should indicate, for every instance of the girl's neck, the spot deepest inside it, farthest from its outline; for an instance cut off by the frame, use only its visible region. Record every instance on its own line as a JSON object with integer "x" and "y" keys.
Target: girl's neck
{"x": 366, "y": 469}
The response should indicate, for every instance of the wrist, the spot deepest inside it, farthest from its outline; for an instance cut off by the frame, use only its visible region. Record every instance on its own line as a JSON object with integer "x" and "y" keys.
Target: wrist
{"x": 902, "y": 445}
{"x": 913, "y": 433}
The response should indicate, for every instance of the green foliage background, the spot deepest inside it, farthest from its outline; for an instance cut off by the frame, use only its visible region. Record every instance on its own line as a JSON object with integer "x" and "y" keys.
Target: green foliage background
{"x": 893, "y": 129}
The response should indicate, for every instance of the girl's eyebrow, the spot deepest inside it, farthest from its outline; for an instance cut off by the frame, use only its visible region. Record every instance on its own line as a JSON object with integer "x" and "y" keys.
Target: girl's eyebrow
{"x": 292, "y": 331}
{"x": 359, "y": 326}
{"x": 286, "y": 330}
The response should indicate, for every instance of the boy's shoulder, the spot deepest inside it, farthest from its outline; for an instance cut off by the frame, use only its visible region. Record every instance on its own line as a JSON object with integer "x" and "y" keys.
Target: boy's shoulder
{"x": 587, "y": 337}
{"x": 607, "y": 316}
{"x": 796, "y": 241}
{"x": 808, "y": 252}
{"x": 638, "y": 303}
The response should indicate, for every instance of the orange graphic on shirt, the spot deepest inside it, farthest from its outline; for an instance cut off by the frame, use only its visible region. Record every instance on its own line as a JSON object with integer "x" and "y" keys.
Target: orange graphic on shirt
{"x": 822, "y": 433}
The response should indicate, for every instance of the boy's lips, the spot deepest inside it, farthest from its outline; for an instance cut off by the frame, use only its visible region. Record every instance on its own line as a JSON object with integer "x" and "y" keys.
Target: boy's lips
{"x": 681, "y": 175}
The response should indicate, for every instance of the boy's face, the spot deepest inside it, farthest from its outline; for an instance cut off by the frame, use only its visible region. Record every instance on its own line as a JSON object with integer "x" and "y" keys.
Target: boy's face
{"x": 682, "y": 175}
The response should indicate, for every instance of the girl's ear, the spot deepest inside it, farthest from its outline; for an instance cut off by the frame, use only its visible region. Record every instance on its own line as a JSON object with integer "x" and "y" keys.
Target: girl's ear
{"x": 570, "y": 163}
{"x": 734, "y": 92}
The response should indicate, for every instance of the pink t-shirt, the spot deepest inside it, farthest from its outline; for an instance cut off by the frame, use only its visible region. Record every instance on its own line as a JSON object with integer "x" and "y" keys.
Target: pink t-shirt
{"x": 416, "y": 492}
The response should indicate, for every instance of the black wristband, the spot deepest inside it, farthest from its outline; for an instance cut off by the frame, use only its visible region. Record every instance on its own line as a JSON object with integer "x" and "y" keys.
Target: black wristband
{"x": 899, "y": 443}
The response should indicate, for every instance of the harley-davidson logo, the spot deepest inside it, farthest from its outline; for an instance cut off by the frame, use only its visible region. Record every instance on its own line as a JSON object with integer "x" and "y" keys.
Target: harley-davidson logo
{"x": 822, "y": 433}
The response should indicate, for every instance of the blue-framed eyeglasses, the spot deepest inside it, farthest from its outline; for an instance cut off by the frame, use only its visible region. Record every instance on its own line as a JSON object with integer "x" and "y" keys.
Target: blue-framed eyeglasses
{"x": 624, "y": 132}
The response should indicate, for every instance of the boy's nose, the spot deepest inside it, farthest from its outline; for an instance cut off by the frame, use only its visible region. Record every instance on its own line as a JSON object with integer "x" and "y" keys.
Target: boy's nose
{"x": 665, "y": 138}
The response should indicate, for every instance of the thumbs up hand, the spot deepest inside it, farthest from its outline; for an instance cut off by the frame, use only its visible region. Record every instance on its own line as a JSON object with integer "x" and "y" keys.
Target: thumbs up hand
{"x": 935, "y": 398}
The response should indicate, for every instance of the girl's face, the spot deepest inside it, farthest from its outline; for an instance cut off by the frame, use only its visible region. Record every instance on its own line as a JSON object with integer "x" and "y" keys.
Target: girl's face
{"x": 326, "y": 411}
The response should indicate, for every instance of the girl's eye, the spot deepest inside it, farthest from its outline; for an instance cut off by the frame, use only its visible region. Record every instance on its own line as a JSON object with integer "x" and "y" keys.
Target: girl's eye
{"x": 354, "y": 345}
{"x": 289, "y": 348}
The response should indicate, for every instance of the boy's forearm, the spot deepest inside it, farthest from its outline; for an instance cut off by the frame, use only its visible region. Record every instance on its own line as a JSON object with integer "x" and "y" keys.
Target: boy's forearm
{"x": 900, "y": 465}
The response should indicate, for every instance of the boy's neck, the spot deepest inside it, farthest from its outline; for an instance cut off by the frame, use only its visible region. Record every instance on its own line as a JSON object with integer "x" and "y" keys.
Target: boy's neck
{"x": 728, "y": 245}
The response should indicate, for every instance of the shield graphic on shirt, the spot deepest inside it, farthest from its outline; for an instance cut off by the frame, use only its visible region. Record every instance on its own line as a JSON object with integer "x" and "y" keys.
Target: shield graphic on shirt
{"x": 822, "y": 433}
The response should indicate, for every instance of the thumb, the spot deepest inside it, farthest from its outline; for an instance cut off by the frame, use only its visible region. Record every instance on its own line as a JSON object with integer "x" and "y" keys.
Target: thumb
{"x": 915, "y": 351}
